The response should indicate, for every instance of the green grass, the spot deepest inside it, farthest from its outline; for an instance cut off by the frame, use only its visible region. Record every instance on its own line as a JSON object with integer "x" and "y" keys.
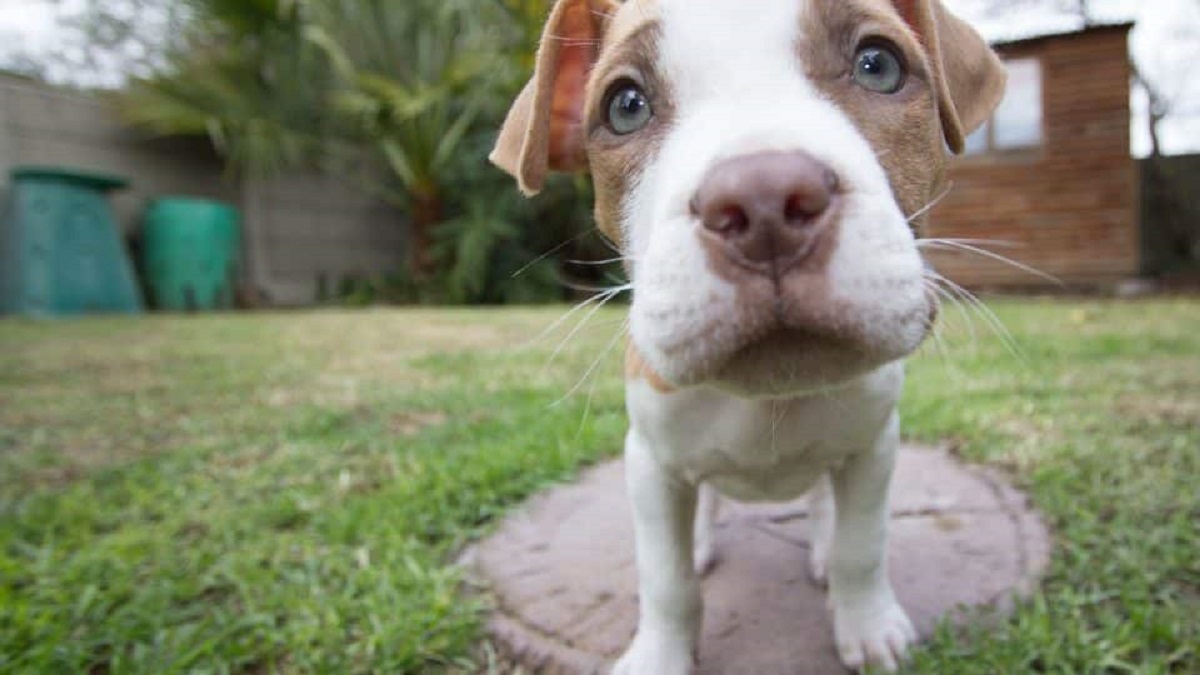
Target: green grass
{"x": 286, "y": 493}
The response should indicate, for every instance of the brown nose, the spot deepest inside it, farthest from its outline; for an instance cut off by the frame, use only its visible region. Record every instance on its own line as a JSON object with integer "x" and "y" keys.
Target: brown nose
{"x": 767, "y": 211}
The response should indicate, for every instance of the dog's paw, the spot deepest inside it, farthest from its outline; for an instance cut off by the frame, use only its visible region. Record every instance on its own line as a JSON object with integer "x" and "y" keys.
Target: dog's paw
{"x": 653, "y": 656}
{"x": 876, "y": 636}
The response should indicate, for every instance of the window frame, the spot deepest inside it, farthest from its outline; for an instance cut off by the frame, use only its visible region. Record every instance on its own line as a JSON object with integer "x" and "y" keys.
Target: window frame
{"x": 990, "y": 151}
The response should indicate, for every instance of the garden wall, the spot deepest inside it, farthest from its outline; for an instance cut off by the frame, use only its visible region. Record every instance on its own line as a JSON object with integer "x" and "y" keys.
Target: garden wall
{"x": 300, "y": 231}
{"x": 311, "y": 232}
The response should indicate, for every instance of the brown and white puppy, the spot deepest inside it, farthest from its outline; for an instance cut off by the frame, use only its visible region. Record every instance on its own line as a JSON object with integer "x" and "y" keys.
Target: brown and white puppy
{"x": 763, "y": 165}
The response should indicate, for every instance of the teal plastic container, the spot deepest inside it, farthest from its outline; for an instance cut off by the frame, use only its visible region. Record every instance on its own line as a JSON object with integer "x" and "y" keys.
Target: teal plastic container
{"x": 61, "y": 251}
{"x": 191, "y": 249}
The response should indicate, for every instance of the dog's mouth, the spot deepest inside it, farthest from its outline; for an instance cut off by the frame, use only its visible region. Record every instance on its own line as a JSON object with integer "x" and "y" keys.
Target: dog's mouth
{"x": 791, "y": 339}
{"x": 788, "y": 361}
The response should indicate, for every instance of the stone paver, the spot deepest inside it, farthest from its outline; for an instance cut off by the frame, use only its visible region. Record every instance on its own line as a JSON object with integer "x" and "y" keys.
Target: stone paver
{"x": 562, "y": 572}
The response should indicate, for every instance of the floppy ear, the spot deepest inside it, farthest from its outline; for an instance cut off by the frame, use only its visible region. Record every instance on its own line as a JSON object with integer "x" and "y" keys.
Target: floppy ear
{"x": 968, "y": 76}
{"x": 544, "y": 130}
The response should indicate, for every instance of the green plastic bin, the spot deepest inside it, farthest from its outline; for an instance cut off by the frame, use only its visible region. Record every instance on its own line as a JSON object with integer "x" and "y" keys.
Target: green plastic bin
{"x": 190, "y": 251}
{"x": 61, "y": 251}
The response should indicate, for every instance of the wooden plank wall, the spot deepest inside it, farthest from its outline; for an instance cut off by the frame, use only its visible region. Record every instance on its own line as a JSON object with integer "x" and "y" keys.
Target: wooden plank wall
{"x": 1069, "y": 207}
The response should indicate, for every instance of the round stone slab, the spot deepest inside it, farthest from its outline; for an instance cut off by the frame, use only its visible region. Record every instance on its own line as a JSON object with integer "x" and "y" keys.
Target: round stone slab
{"x": 561, "y": 570}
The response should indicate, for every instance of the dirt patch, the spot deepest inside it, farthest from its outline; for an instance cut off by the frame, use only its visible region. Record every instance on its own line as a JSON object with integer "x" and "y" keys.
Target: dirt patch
{"x": 1181, "y": 412}
{"x": 409, "y": 424}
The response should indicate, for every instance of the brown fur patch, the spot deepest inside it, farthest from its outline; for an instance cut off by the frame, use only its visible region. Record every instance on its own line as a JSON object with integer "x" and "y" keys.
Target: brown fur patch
{"x": 544, "y": 129}
{"x": 903, "y": 128}
{"x": 955, "y": 81}
{"x": 637, "y": 368}
{"x": 616, "y": 161}
{"x": 964, "y": 76}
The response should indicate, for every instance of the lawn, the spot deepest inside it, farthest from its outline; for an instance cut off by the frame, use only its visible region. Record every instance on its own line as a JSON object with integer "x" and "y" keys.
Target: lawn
{"x": 287, "y": 492}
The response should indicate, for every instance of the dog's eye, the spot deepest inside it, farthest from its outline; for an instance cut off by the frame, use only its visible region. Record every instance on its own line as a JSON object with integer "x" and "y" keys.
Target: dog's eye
{"x": 879, "y": 69}
{"x": 629, "y": 109}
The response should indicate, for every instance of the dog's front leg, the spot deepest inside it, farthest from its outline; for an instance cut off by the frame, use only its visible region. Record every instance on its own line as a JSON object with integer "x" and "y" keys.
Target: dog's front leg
{"x": 870, "y": 626}
{"x": 705, "y": 549}
{"x": 670, "y": 606}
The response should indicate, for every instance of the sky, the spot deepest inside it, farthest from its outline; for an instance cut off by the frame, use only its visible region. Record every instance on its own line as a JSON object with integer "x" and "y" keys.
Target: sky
{"x": 30, "y": 23}
{"x": 30, "y": 26}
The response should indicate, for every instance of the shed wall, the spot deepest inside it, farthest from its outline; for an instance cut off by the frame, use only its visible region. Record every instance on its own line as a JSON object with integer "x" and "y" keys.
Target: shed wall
{"x": 1068, "y": 208}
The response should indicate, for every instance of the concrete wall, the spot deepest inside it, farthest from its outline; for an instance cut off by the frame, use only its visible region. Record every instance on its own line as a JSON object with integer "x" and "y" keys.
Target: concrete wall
{"x": 311, "y": 230}
{"x": 298, "y": 229}
{"x": 43, "y": 125}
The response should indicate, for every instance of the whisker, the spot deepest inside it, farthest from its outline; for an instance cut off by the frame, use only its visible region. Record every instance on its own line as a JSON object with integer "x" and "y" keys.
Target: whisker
{"x": 599, "y": 263}
{"x": 587, "y": 404}
{"x": 968, "y": 248}
{"x": 999, "y": 243}
{"x": 606, "y": 298}
{"x": 612, "y": 245}
{"x": 597, "y": 289}
{"x": 567, "y": 315}
{"x": 932, "y": 204}
{"x": 962, "y": 299}
{"x": 958, "y": 304}
{"x": 587, "y": 407}
{"x": 934, "y": 328}
{"x": 593, "y": 368}
{"x": 990, "y": 317}
{"x": 551, "y": 252}
{"x": 967, "y": 304}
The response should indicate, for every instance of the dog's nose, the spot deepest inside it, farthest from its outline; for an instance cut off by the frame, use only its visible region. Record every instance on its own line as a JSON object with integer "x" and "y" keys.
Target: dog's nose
{"x": 767, "y": 210}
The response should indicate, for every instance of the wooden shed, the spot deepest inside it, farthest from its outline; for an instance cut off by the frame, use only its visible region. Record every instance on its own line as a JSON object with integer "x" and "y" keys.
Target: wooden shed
{"x": 1050, "y": 178}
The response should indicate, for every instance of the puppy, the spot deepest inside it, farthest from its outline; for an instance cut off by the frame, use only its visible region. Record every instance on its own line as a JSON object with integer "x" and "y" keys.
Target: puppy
{"x": 763, "y": 165}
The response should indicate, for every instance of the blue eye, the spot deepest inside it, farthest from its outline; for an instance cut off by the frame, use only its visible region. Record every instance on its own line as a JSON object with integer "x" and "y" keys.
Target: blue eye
{"x": 628, "y": 109}
{"x": 879, "y": 69}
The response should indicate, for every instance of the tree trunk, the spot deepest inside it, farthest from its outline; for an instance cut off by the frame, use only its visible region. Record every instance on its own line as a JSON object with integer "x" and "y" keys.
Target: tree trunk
{"x": 1156, "y": 109}
{"x": 1085, "y": 12}
{"x": 426, "y": 214}
{"x": 1155, "y": 140}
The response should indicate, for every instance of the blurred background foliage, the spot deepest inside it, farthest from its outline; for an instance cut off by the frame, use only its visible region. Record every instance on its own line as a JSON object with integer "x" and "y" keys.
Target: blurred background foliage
{"x": 401, "y": 99}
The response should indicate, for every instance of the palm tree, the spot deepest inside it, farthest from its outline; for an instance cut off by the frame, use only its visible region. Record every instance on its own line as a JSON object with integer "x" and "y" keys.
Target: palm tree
{"x": 417, "y": 88}
{"x": 243, "y": 76}
{"x": 281, "y": 83}
{"x": 416, "y": 78}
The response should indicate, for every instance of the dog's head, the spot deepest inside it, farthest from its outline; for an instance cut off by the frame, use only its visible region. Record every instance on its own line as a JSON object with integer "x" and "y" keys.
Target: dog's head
{"x": 763, "y": 165}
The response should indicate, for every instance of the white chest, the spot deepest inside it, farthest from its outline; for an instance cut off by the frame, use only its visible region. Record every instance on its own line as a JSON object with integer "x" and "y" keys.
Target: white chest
{"x": 762, "y": 450}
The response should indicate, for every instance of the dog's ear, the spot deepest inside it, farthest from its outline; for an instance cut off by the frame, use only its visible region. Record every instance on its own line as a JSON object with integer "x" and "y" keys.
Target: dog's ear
{"x": 968, "y": 76}
{"x": 544, "y": 130}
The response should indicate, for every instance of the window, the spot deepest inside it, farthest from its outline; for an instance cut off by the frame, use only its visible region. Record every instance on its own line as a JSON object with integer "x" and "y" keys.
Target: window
{"x": 1017, "y": 124}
